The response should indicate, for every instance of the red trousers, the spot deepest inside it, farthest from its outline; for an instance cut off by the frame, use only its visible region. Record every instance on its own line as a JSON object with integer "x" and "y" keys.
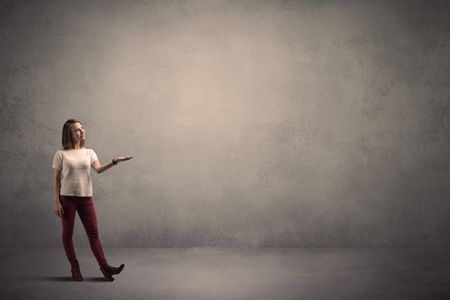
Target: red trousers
{"x": 86, "y": 210}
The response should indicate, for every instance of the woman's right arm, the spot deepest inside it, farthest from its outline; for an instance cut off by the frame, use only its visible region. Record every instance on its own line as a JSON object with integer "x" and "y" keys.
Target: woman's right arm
{"x": 56, "y": 203}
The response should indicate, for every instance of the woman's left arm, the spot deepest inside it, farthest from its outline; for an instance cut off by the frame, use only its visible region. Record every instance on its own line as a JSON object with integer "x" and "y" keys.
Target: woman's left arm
{"x": 101, "y": 168}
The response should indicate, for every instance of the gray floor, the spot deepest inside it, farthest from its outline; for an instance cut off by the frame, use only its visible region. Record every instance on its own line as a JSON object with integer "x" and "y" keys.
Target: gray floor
{"x": 230, "y": 273}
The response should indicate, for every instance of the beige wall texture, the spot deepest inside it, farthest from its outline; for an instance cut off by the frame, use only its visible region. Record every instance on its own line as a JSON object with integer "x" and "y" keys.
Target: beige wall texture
{"x": 252, "y": 123}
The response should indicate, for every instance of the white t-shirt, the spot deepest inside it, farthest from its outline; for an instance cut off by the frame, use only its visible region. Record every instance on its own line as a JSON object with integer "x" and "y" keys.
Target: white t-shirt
{"x": 75, "y": 167}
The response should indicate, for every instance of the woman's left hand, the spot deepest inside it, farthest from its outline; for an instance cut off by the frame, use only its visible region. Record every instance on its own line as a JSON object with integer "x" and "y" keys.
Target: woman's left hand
{"x": 123, "y": 158}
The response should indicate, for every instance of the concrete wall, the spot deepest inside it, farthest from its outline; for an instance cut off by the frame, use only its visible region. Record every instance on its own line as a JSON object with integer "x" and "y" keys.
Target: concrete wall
{"x": 252, "y": 123}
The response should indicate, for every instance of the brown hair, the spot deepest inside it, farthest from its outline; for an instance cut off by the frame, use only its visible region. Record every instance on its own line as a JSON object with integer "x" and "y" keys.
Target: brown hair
{"x": 67, "y": 137}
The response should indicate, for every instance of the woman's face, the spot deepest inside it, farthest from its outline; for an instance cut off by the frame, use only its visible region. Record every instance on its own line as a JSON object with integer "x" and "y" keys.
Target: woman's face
{"x": 78, "y": 132}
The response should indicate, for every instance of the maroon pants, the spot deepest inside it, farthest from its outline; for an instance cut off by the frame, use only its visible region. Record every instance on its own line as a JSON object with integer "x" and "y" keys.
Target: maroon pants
{"x": 86, "y": 211}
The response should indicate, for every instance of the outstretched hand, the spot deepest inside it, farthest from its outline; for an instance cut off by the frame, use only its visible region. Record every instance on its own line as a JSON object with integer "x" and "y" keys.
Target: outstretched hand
{"x": 123, "y": 158}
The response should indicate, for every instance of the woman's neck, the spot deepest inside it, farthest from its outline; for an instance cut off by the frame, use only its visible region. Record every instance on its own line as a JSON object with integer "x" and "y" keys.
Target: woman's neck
{"x": 76, "y": 148}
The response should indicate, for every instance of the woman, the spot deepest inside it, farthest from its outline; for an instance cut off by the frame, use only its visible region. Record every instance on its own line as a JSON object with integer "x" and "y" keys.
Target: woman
{"x": 73, "y": 192}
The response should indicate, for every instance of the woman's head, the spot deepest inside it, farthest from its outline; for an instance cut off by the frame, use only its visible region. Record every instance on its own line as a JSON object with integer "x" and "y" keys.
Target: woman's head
{"x": 72, "y": 133}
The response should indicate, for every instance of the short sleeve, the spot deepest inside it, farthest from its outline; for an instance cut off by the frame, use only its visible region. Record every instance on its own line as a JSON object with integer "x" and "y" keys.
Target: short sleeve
{"x": 57, "y": 160}
{"x": 93, "y": 156}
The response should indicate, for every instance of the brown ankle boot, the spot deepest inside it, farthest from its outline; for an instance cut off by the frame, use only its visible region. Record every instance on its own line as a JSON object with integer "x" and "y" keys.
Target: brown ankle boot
{"x": 76, "y": 273}
{"x": 114, "y": 270}
{"x": 108, "y": 271}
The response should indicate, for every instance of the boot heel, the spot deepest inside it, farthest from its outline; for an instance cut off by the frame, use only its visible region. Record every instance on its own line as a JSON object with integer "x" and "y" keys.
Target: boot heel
{"x": 106, "y": 274}
{"x": 77, "y": 276}
{"x": 76, "y": 273}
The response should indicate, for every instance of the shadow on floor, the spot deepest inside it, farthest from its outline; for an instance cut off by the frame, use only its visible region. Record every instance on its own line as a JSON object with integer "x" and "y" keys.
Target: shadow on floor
{"x": 64, "y": 279}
